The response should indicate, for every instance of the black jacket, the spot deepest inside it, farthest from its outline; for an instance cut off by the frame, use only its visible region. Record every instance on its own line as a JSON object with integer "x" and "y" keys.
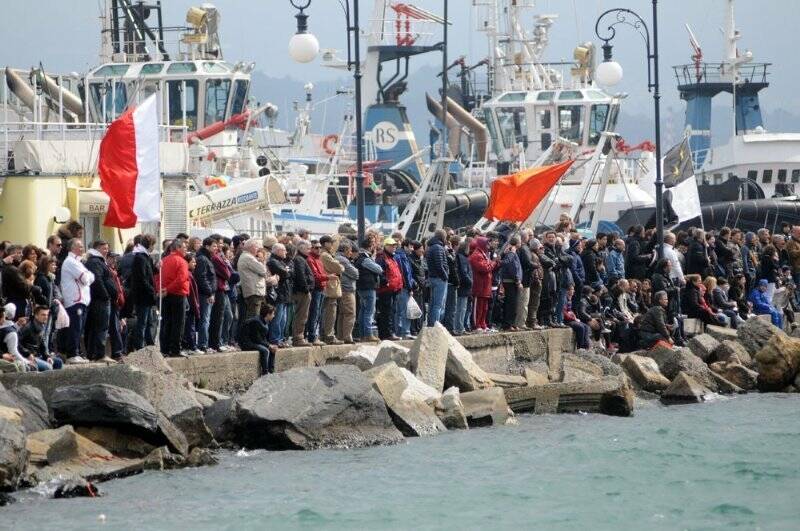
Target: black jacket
{"x": 283, "y": 291}
{"x": 303, "y": 278}
{"x": 204, "y": 274}
{"x": 589, "y": 258}
{"x": 452, "y": 268}
{"x": 697, "y": 262}
{"x": 526, "y": 263}
{"x": 654, "y": 322}
{"x": 636, "y": 259}
{"x": 142, "y": 290}
{"x": 367, "y": 278}
{"x": 255, "y": 331}
{"x": 464, "y": 275}
{"x": 436, "y": 259}
{"x": 103, "y": 289}
{"x": 14, "y": 286}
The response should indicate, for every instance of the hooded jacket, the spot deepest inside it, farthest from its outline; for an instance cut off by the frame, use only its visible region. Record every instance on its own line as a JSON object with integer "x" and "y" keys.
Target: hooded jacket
{"x": 482, "y": 269}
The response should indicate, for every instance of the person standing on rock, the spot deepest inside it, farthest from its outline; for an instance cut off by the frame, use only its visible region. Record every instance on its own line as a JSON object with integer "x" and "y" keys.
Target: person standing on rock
{"x": 369, "y": 278}
{"x": 255, "y": 336}
{"x": 482, "y": 269}
{"x": 280, "y": 266}
{"x": 222, "y": 303}
{"x": 346, "y": 314}
{"x": 333, "y": 289}
{"x": 103, "y": 290}
{"x": 402, "y": 324}
{"x": 438, "y": 274}
{"x": 535, "y": 294}
{"x": 526, "y": 263}
{"x": 511, "y": 277}
{"x": 75, "y": 288}
{"x": 142, "y": 291}
{"x": 317, "y": 294}
{"x": 304, "y": 285}
{"x": 175, "y": 291}
{"x": 390, "y": 286}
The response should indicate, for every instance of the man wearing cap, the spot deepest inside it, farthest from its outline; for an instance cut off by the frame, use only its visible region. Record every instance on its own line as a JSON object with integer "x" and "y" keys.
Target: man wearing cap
{"x": 333, "y": 288}
{"x": 390, "y": 286}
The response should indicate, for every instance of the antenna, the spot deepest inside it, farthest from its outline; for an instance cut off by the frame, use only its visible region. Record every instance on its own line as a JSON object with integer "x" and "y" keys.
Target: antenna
{"x": 698, "y": 54}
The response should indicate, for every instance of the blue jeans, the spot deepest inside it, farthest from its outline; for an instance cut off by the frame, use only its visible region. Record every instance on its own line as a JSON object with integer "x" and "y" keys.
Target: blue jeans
{"x": 438, "y": 300}
{"x": 562, "y": 301}
{"x": 402, "y": 324}
{"x": 278, "y": 324}
{"x": 141, "y": 332}
{"x": 77, "y": 321}
{"x": 366, "y": 312}
{"x": 449, "y": 318}
{"x": 314, "y": 314}
{"x": 461, "y": 311}
{"x": 203, "y": 322}
{"x": 227, "y": 323}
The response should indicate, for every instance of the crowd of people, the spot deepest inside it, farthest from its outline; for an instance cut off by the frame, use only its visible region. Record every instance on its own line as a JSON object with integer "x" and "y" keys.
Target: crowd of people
{"x": 191, "y": 296}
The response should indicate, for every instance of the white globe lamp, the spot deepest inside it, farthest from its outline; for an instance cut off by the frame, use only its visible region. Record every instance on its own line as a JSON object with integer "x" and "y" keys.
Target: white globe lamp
{"x": 303, "y": 47}
{"x": 608, "y": 73}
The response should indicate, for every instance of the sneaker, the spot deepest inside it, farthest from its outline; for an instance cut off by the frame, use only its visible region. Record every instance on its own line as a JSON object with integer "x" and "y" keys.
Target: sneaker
{"x": 333, "y": 341}
{"x": 196, "y": 352}
{"x": 300, "y": 343}
{"x": 77, "y": 360}
{"x": 318, "y": 343}
{"x": 410, "y": 337}
{"x": 370, "y": 339}
{"x": 107, "y": 359}
{"x": 393, "y": 338}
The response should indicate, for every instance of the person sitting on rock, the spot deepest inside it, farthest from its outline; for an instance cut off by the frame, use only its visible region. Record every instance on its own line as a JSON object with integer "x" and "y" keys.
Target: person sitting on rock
{"x": 31, "y": 340}
{"x": 653, "y": 328}
{"x": 9, "y": 342}
{"x": 255, "y": 336}
{"x": 762, "y": 305}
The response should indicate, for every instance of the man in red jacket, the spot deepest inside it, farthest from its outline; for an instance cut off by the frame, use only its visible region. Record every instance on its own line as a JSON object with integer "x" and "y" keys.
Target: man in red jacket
{"x": 391, "y": 284}
{"x": 174, "y": 290}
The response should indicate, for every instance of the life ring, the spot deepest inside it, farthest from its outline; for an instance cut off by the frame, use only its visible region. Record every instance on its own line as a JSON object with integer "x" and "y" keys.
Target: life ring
{"x": 326, "y": 144}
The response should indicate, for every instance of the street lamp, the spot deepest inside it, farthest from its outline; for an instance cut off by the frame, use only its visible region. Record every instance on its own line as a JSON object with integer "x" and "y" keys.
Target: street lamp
{"x": 303, "y": 48}
{"x": 609, "y": 73}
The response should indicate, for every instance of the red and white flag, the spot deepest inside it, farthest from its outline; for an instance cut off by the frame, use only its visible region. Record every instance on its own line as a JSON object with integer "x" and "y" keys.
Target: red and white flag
{"x": 129, "y": 167}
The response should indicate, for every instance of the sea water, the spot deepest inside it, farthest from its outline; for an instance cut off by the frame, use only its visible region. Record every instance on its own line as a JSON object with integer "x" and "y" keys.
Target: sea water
{"x": 728, "y": 463}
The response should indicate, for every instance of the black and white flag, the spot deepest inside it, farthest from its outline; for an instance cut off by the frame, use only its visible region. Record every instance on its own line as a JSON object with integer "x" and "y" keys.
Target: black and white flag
{"x": 681, "y": 195}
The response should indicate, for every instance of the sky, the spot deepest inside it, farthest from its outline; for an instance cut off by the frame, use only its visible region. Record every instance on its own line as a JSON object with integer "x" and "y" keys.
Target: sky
{"x": 64, "y": 35}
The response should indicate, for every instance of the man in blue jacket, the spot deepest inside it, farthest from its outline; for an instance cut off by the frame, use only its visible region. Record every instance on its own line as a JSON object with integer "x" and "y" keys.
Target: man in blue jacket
{"x": 615, "y": 263}
{"x": 438, "y": 273}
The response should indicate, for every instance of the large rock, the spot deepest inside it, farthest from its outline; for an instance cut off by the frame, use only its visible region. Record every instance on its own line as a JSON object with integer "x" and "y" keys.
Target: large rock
{"x": 115, "y": 441}
{"x": 777, "y": 362}
{"x": 737, "y": 374}
{"x": 389, "y": 351}
{"x": 450, "y": 410}
{"x": 220, "y": 418}
{"x": 507, "y": 380}
{"x": 429, "y": 355}
{"x": 461, "y": 370}
{"x": 417, "y": 389}
{"x": 731, "y": 351}
{"x": 533, "y": 377}
{"x": 486, "y": 407}
{"x": 116, "y": 407}
{"x": 363, "y": 357}
{"x": 610, "y": 395}
{"x": 673, "y": 361}
{"x": 308, "y": 408}
{"x": 703, "y": 346}
{"x": 684, "y": 390}
{"x": 11, "y": 414}
{"x": 172, "y": 394}
{"x": 721, "y": 333}
{"x": 13, "y": 455}
{"x": 29, "y": 400}
{"x": 598, "y": 358}
{"x": 63, "y": 444}
{"x": 578, "y": 369}
{"x": 754, "y": 333}
{"x": 644, "y": 371}
{"x": 414, "y": 418}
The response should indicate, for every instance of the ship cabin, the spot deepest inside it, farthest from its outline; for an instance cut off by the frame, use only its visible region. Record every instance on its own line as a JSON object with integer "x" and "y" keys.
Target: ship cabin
{"x": 526, "y": 123}
{"x": 195, "y": 94}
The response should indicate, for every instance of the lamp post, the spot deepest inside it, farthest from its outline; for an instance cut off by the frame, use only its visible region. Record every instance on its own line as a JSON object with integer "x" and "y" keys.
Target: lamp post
{"x": 609, "y": 72}
{"x": 303, "y": 48}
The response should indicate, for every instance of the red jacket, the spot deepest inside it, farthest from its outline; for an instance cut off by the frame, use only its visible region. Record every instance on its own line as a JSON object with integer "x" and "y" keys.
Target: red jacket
{"x": 391, "y": 271}
{"x": 320, "y": 276}
{"x": 175, "y": 274}
{"x": 482, "y": 269}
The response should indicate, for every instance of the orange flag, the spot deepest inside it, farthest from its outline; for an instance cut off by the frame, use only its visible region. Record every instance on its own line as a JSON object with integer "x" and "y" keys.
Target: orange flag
{"x": 514, "y": 197}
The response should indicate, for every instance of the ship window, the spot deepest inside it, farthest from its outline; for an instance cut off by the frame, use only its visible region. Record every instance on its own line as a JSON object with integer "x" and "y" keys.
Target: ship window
{"x": 112, "y": 70}
{"x": 570, "y": 122}
{"x": 752, "y": 175}
{"x": 214, "y": 68}
{"x": 176, "y": 98}
{"x": 152, "y": 68}
{"x": 513, "y": 126}
{"x": 781, "y": 176}
{"x": 513, "y": 96}
{"x": 543, "y": 117}
{"x": 570, "y": 95}
{"x": 796, "y": 176}
{"x": 597, "y": 123}
{"x": 181, "y": 68}
{"x": 217, "y": 91}
{"x": 116, "y": 99}
{"x": 717, "y": 178}
{"x": 239, "y": 96}
{"x": 545, "y": 96}
{"x": 767, "y": 177}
